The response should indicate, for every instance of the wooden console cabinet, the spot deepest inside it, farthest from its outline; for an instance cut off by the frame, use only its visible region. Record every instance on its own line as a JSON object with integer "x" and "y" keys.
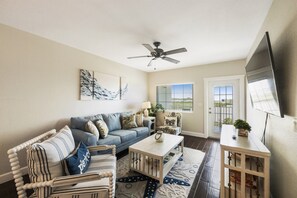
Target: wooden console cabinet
{"x": 244, "y": 165}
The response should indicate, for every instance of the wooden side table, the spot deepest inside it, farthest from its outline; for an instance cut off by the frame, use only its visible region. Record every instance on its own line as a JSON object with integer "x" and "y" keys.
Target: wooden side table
{"x": 245, "y": 163}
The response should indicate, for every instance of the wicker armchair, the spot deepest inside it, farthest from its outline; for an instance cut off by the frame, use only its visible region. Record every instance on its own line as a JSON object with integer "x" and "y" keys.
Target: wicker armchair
{"x": 171, "y": 128}
{"x": 97, "y": 181}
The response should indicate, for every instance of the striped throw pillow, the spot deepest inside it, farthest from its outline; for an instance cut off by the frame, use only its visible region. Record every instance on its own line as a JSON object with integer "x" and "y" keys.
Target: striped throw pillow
{"x": 103, "y": 129}
{"x": 45, "y": 159}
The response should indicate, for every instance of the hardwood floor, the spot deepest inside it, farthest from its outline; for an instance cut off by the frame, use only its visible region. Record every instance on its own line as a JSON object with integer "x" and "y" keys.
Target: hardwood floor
{"x": 206, "y": 183}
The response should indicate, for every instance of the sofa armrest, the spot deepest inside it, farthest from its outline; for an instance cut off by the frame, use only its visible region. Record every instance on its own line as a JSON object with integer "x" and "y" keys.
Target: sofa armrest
{"x": 147, "y": 123}
{"x": 81, "y": 136}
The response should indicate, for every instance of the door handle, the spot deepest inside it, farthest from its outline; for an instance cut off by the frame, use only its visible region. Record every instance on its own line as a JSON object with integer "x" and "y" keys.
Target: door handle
{"x": 209, "y": 112}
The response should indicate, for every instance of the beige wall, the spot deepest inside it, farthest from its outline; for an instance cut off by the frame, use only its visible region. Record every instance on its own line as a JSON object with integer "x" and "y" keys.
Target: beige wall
{"x": 194, "y": 122}
{"x": 39, "y": 83}
{"x": 281, "y": 23}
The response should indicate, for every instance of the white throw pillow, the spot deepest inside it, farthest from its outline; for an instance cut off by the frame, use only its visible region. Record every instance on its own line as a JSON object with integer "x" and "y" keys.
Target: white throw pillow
{"x": 90, "y": 127}
{"x": 139, "y": 120}
{"x": 103, "y": 129}
{"x": 170, "y": 121}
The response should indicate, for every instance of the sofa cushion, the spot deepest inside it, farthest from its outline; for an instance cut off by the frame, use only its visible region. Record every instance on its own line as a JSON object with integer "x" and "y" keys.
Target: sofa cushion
{"x": 141, "y": 131}
{"x": 91, "y": 127}
{"x": 112, "y": 121}
{"x": 125, "y": 135}
{"x": 78, "y": 161}
{"x": 110, "y": 140}
{"x": 78, "y": 123}
{"x": 45, "y": 159}
{"x": 128, "y": 121}
{"x": 94, "y": 117}
{"x": 102, "y": 127}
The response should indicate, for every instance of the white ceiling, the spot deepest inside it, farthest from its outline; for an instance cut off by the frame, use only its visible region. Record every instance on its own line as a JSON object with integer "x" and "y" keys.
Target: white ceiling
{"x": 211, "y": 30}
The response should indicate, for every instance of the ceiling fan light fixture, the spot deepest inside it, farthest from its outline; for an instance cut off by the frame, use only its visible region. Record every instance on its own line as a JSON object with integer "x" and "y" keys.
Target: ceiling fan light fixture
{"x": 159, "y": 53}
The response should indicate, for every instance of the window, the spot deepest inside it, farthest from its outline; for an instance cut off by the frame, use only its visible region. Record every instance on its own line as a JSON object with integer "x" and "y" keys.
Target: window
{"x": 178, "y": 97}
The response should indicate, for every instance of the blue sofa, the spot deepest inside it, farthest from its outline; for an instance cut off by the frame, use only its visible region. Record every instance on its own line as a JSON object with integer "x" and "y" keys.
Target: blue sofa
{"x": 122, "y": 138}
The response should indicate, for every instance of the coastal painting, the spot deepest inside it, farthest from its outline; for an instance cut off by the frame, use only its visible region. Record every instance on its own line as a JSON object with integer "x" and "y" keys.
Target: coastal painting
{"x": 124, "y": 88}
{"x": 106, "y": 87}
{"x": 86, "y": 84}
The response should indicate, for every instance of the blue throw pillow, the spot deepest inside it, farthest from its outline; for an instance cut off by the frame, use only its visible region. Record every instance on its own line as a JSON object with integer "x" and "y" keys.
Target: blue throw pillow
{"x": 78, "y": 161}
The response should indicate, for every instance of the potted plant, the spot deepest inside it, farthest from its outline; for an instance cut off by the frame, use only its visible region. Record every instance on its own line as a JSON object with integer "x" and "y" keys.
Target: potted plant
{"x": 155, "y": 109}
{"x": 243, "y": 127}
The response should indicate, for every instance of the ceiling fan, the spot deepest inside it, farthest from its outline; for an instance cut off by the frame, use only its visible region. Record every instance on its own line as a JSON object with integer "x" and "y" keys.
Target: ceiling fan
{"x": 159, "y": 53}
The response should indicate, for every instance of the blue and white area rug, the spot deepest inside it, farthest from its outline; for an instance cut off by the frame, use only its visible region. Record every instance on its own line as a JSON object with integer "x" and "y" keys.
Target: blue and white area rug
{"x": 177, "y": 183}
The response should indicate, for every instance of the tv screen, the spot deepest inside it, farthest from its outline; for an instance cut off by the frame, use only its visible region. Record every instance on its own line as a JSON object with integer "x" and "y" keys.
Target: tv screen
{"x": 262, "y": 83}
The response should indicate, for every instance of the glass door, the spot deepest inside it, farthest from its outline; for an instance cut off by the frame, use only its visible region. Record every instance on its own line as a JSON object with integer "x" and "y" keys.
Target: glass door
{"x": 223, "y": 105}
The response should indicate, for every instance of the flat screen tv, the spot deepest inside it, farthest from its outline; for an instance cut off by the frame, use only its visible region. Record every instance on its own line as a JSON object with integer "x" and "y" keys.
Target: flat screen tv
{"x": 262, "y": 84}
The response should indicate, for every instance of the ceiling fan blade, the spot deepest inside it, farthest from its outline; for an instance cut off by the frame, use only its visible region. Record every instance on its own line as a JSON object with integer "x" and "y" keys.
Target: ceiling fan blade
{"x": 170, "y": 60}
{"x": 149, "y": 47}
{"x": 175, "y": 51}
{"x": 138, "y": 56}
{"x": 150, "y": 63}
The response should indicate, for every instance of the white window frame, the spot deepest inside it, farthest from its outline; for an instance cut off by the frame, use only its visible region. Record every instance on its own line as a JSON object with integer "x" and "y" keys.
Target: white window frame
{"x": 173, "y": 110}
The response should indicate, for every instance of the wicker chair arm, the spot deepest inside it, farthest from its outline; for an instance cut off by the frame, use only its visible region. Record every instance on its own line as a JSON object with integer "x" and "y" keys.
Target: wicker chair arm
{"x": 69, "y": 180}
{"x": 103, "y": 148}
{"x": 74, "y": 179}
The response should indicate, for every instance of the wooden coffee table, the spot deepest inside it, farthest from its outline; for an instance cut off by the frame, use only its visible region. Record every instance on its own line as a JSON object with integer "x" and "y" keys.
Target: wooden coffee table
{"x": 155, "y": 159}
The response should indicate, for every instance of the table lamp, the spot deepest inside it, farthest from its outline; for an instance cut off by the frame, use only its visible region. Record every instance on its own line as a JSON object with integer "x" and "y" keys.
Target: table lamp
{"x": 145, "y": 106}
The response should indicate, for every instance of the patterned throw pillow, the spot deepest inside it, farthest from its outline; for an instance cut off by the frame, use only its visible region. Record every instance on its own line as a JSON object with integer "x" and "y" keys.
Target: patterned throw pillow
{"x": 139, "y": 120}
{"x": 45, "y": 159}
{"x": 78, "y": 161}
{"x": 129, "y": 121}
{"x": 90, "y": 127}
{"x": 102, "y": 127}
{"x": 170, "y": 121}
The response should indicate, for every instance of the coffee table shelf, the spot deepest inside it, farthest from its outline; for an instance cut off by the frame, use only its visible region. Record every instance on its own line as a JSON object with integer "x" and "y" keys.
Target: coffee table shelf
{"x": 148, "y": 156}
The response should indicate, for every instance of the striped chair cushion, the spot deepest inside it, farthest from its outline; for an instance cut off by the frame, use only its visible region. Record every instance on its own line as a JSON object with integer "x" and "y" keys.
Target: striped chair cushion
{"x": 97, "y": 188}
{"x": 45, "y": 159}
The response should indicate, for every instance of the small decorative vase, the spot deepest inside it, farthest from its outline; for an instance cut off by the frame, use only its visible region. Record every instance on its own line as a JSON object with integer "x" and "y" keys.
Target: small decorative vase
{"x": 243, "y": 132}
{"x": 159, "y": 137}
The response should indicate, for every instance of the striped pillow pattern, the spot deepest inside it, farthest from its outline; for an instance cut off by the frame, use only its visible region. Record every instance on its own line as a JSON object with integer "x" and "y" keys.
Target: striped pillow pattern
{"x": 45, "y": 160}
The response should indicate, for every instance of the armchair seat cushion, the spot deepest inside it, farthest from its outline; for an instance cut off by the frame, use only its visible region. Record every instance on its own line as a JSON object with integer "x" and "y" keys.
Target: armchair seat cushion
{"x": 125, "y": 135}
{"x": 170, "y": 130}
{"x": 99, "y": 163}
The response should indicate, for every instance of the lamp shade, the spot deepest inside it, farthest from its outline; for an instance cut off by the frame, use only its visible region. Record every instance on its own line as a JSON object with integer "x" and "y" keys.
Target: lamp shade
{"x": 146, "y": 105}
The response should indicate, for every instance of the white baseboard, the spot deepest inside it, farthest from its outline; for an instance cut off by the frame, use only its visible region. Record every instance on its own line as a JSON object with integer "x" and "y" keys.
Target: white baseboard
{"x": 195, "y": 134}
{"x": 9, "y": 176}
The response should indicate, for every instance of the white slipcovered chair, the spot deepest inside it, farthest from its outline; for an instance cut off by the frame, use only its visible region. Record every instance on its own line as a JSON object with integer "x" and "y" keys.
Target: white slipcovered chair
{"x": 169, "y": 122}
{"x": 45, "y": 155}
